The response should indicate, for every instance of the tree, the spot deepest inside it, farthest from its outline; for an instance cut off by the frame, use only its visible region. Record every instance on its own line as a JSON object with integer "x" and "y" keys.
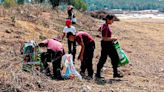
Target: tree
{"x": 54, "y": 3}
{"x": 78, "y": 4}
{"x": 20, "y": 1}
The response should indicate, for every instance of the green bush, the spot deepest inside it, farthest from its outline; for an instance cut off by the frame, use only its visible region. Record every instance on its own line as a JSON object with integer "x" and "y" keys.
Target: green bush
{"x": 9, "y": 3}
{"x": 79, "y": 4}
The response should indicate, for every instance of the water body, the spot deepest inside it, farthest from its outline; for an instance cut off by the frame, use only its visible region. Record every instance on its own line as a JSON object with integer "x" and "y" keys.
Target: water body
{"x": 140, "y": 16}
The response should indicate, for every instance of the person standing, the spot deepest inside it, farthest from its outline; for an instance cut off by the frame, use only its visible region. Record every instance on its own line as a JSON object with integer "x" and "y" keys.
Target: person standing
{"x": 54, "y": 54}
{"x": 107, "y": 48}
{"x": 71, "y": 15}
{"x": 71, "y": 44}
{"x": 87, "y": 44}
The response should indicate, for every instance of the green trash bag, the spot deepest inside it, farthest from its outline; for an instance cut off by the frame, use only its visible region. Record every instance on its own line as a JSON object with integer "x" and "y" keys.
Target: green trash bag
{"x": 123, "y": 59}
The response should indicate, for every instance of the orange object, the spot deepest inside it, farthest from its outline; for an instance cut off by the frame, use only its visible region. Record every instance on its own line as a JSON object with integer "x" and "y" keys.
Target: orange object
{"x": 72, "y": 76}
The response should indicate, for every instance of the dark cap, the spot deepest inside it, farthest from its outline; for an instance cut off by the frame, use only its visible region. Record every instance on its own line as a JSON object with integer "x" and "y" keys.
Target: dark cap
{"x": 109, "y": 17}
{"x": 70, "y": 34}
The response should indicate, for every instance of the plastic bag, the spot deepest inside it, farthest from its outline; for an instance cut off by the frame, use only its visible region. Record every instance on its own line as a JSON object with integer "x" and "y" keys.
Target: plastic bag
{"x": 74, "y": 20}
{"x": 123, "y": 59}
{"x": 69, "y": 71}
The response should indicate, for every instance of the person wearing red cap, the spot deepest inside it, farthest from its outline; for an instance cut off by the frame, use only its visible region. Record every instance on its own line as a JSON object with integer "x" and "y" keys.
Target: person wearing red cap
{"x": 71, "y": 44}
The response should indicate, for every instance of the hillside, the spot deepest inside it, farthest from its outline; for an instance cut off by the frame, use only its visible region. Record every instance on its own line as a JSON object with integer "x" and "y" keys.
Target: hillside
{"x": 125, "y": 4}
{"x": 142, "y": 40}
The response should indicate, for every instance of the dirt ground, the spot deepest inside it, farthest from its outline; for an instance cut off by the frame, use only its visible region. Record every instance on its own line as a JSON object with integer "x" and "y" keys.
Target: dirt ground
{"x": 142, "y": 40}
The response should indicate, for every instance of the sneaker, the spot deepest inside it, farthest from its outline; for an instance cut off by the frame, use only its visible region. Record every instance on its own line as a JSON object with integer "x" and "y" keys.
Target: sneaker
{"x": 98, "y": 76}
{"x": 118, "y": 75}
{"x": 89, "y": 78}
{"x": 82, "y": 74}
{"x": 48, "y": 74}
{"x": 60, "y": 78}
{"x": 57, "y": 78}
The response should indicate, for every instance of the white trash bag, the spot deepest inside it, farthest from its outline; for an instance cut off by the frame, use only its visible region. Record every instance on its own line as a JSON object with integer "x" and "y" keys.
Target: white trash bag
{"x": 69, "y": 70}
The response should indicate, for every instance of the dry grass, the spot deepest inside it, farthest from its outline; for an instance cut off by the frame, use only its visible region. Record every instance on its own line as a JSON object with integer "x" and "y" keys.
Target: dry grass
{"x": 142, "y": 40}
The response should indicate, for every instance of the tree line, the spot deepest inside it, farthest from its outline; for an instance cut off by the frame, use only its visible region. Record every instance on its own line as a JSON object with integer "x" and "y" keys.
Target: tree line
{"x": 125, "y": 4}
{"x": 99, "y": 4}
{"x": 78, "y": 4}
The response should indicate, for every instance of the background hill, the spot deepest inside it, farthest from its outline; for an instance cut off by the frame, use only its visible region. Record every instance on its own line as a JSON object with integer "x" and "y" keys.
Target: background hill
{"x": 125, "y": 4}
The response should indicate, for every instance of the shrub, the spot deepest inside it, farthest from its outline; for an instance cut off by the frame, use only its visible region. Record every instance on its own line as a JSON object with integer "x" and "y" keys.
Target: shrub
{"x": 9, "y": 3}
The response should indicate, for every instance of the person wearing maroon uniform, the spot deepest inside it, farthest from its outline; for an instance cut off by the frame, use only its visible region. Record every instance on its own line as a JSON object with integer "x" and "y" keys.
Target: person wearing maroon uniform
{"x": 107, "y": 48}
{"x": 87, "y": 44}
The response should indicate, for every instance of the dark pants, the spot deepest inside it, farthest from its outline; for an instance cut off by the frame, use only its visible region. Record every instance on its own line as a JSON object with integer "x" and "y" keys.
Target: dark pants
{"x": 87, "y": 59}
{"x": 107, "y": 49}
{"x": 72, "y": 48}
{"x": 69, "y": 14}
{"x": 55, "y": 58}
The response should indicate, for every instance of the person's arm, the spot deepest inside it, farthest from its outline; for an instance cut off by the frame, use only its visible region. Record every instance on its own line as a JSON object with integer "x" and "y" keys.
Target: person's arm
{"x": 99, "y": 32}
{"x": 81, "y": 43}
{"x": 108, "y": 39}
{"x": 43, "y": 43}
{"x": 64, "y": 34}
{"x": 81, "y": 52}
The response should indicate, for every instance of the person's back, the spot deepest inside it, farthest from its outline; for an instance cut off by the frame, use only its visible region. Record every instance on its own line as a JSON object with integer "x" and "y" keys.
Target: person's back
{"x": 84, "y": 36}
{"x": 69, "y": 29}
{"x": 87, "y": 44}
{"x": 53, "y": 44}
{"x": 54, "y": 54}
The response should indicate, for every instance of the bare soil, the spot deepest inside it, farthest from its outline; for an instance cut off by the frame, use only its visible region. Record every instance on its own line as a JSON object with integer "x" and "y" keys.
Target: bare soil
{"x": 142, "y": 40}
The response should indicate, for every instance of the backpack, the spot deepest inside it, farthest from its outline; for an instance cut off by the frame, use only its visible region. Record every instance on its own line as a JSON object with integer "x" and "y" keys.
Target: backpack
{"x": 31, "y": 56}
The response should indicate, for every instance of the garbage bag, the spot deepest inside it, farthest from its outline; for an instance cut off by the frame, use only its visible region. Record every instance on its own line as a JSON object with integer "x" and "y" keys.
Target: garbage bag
{"x": 123, "y": 59}
{"x": 69, "y": 68}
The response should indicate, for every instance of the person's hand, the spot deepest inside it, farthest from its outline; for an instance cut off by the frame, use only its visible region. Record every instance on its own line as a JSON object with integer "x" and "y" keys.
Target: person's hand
{"x": 99, "y": 36}
{"x": 41, "y": 44}
{"x": 80, "y": 58}
{"x": 114, "y": 38}
{"x": 60, "y": 38}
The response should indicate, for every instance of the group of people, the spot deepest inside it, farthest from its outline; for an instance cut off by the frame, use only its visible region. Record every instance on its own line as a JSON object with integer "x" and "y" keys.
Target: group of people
{"x": 55, "y": 50}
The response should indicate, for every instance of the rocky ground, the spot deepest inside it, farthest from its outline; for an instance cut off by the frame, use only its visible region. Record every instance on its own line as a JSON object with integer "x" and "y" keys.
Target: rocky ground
{"x": 142, "y": 40}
